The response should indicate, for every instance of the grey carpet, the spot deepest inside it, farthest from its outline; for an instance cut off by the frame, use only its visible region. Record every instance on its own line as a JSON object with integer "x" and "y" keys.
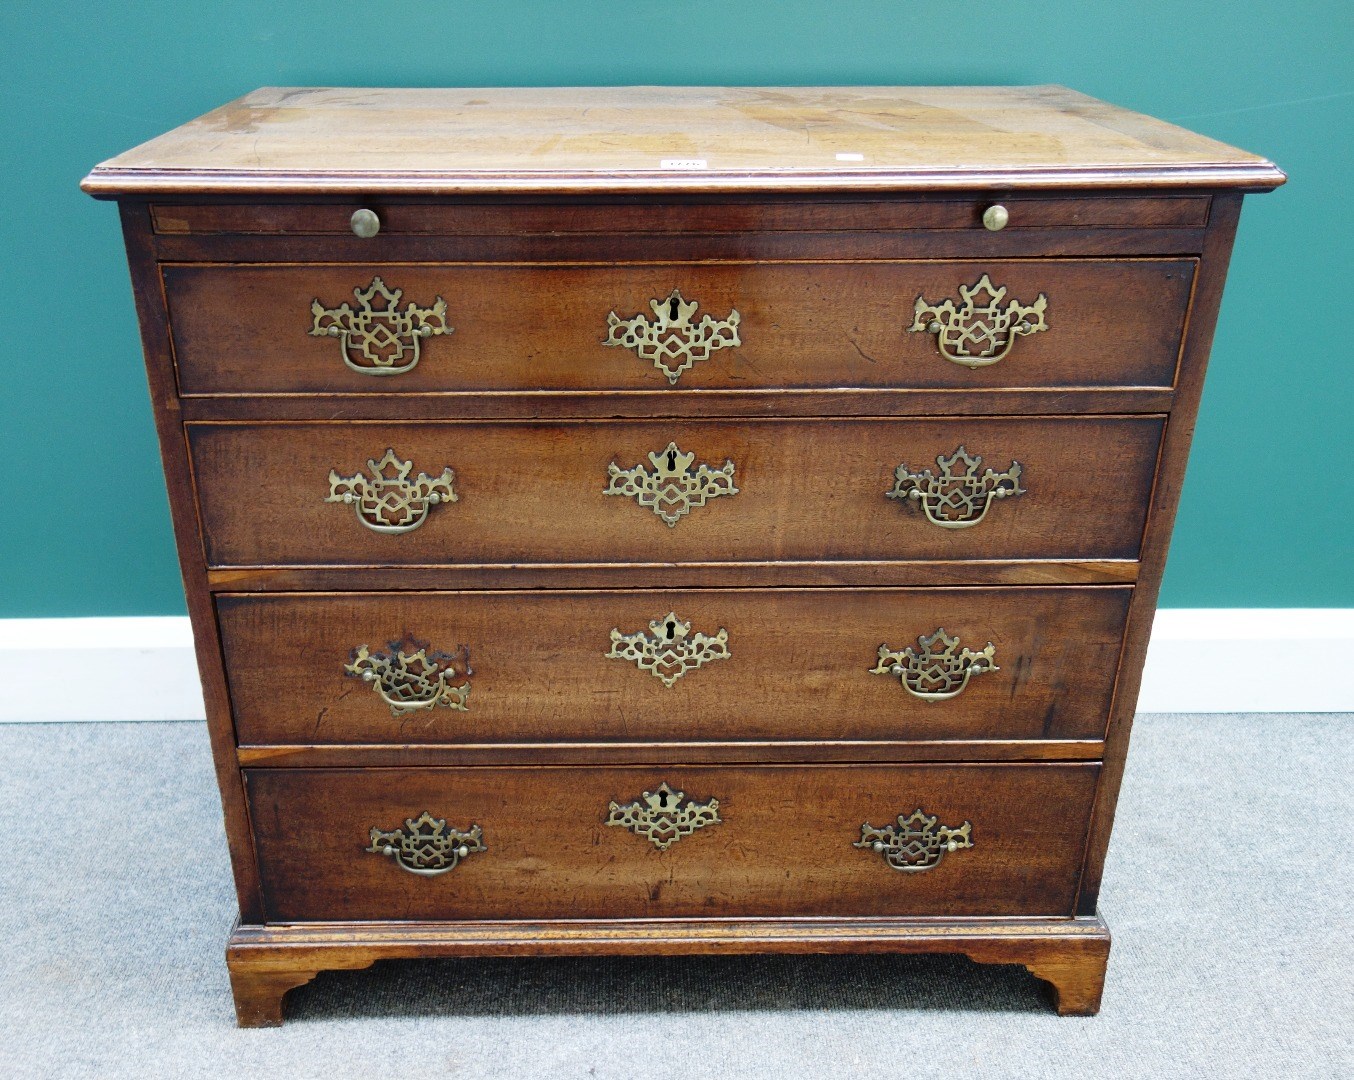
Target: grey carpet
{"x": 1228, "y": 891}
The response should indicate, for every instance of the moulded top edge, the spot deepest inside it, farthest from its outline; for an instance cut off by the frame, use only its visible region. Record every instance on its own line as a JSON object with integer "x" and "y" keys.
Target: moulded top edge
{"x": 444, "y": 141}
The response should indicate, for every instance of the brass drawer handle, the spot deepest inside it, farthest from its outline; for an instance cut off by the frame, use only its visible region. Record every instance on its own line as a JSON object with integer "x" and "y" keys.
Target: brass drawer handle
{"x": 425, "y": 845}
{"x": 916, "y": 843}
{"x": 410, "y": 676}
{"x": 660, "y": 817}
{"x": 938, "y": 669}
{"x": 669, "y": 650}
{"x": 672, "y": 489}
{"x": 387, "y": 501}
{"x": 377, "y": 337}
{"x": 959, "y": 497}
{"x": 979, "y": 330}
{"x": 671, "y": 341}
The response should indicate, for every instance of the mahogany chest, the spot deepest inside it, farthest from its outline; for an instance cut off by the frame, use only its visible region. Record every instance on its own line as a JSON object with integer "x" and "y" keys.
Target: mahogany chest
{"x": 655, "y": 520}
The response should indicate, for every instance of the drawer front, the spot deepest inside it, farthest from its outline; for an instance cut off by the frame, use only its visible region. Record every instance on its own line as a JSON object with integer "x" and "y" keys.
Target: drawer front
{"x": 505, "y": 492}
{"x": 785, "y": 842}
{"x": 640, "y": 215}
{"x": 730, "y": 664}
{"x": 329, "y": 328}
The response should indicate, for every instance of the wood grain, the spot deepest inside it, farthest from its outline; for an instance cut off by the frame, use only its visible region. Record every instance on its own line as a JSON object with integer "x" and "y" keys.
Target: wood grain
{"x": 641, "y": 404}
{"x": 715, "y": 752}
{"x": 674, "y": 576}
{"x": 808, "y": 490}
{"x": 244, "y": 329}
{"x": 784, "y": 846}
{"x": 187, "y": 538}
{"x": 799, "y": 665}
{"x": 305, "y": 140}
{"x": 1165, "y": 500}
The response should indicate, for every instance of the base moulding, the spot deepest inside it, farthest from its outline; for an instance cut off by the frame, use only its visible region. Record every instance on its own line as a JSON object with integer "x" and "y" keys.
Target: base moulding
{"x": 267, "y": 961}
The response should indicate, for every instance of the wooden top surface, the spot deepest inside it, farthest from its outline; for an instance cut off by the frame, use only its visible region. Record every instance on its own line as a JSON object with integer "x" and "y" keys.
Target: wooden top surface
{"x": 330, "y": 140}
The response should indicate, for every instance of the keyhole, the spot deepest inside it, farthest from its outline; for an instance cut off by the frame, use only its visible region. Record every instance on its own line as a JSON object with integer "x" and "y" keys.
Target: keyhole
{"x": 672, "y": 309}
{"x": 672, "y": 460}
{"x": 672, "y": 626}
{"x": 663, "y": 799}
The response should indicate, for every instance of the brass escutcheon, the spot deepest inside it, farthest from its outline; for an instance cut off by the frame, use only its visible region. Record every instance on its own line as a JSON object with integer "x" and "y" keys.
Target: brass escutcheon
{"x": 378, "y": 337}
{"x": 938, "y": 669}
{"x": 959, "y": 497}
{"x": 425, "y": 845}
{"x": 671, "y": 341}
{"x": 916, "y": 843}
{"x": 387, "y": 501}
{"x": 672, "y": 488}
{"x": 669, "y": 650}
{"x": 979, "y": 330}
{"x": 661, "y": 818}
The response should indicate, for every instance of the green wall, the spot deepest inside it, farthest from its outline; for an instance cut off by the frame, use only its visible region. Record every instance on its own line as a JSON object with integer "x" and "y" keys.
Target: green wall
{"x": 85, "y": 530}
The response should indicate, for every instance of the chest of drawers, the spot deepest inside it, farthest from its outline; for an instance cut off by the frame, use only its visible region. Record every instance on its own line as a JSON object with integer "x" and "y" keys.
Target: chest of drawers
{"x": 673, "y": 520}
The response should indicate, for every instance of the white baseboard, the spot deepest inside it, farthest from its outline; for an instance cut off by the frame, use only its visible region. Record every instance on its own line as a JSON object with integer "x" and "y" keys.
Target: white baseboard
{"x": 140, "y": 668}
{"x": 1200, "y": 660}
{"x": 1249, "y": 660}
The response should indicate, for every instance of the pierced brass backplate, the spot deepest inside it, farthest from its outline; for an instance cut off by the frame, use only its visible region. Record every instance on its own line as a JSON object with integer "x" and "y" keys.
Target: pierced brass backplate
{"x": 959, "y": 497}
{"x": 672, "y": 489}
{"x": 377, "y": 337}
{"x": 387, "y": 501}
{"x": 671, "y": 341}
{"x": 669, "y": 650}
{"x": 425, "y": 845}
{"x": 979, "y": 330}
{"x": 411, "y": 676}
{"x": 660, "y": 817}
{"x": 916, "y": 843}
{"x": 939, "y": 669}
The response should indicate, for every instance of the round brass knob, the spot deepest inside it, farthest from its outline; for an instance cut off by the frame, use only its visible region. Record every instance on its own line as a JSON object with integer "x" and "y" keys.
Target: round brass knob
{"x": 995, "y": 218}
{"x": 366, "y": 224}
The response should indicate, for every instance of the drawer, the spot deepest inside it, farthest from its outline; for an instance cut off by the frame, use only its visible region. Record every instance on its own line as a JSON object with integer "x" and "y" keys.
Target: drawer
{"x": 733, "y": 664}
{"x": 784, "y": 843}
{"x": 340, "y": 328}
{"x": 760, "y": 213}
{"x": 716, "y": 491}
